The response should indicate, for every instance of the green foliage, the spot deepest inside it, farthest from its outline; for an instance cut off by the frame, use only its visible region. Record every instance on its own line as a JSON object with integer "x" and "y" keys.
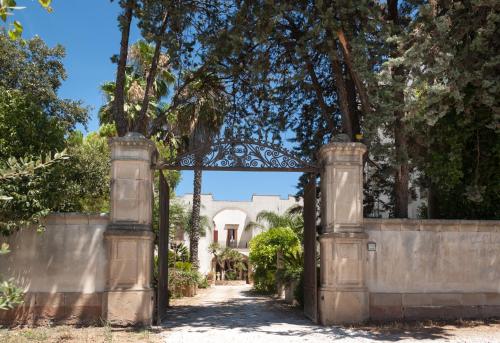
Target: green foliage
{"x": 25, "y": 129}
{"x": 140, "y": 57}
{"x": 178, "y": 279}
{"x": 180, "y": 216}
{"x": 229, "y": 260}
{"x": 203, "y": 283}
{"x": 293, "y": 266}
{"x": 34, "y": 72}
{"x": 10, "y": 295}
{"x": 263, "y": 254}
{"x": 4, "y": 249}
{"x": 184, "y": 266}
{"x": 292, "y": 271}
{"x": 22, "y": 192}
{"x": 20, "y": 204}
{"x": 292, "y": 218}
{"x": 81, "y": 184}
{"x": 79, "y": 181}
{"x": 180, "y": 252}
{"x": 7, "y": 7}
{"x": 231, "y": 275}
{"x": 35, "y": 122}
{"x": 449, "y": 57}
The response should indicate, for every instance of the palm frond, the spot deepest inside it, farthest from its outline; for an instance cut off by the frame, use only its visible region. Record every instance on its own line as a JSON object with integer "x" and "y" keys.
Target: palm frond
{"x": 253, "y": 225}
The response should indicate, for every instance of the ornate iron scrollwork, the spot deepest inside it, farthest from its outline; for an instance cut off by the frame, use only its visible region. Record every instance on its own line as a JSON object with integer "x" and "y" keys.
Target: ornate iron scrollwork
{"x": 240, "y": 155}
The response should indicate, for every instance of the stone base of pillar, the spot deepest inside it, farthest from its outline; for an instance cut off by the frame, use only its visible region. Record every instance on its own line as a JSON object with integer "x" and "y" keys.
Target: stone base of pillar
{"x": 343, "y": 296}
{"x": 129, "y": 307}
{"x": 129, "y": 298}
{"x": 342, "y": 306}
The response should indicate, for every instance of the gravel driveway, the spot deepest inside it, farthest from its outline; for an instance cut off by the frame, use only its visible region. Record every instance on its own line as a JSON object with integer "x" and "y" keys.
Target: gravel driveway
{"x": 233, "y": 314}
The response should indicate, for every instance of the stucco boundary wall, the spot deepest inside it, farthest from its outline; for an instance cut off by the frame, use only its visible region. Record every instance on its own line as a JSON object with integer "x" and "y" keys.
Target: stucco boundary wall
{"x": 432, "y": 269}
{"x": 61, "y": 270}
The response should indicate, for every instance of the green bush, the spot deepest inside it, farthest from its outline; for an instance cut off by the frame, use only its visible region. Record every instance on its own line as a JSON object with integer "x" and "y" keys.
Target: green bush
{"x": 293, "y": 267}
{"x": 263, "y": 255}
{"x": 264, "y": 280}
{"x": 231, "y": 275}
{"x": 184, "y": 266}
{"x": 178, "y": 279}
{"x": 203, "y": 282}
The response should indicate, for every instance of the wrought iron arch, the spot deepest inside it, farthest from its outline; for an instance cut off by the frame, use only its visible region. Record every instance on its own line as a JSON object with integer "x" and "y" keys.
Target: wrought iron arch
{"x": 240, "y": 155}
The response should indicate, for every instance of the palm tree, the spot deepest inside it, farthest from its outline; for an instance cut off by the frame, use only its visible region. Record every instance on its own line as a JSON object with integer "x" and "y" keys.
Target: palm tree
{"x": 181, "y": 217}
{"x": 134, "y": 84}
{"x": 227, "y": 259}
{"x": 292, "y": 218}
{"x": 200, "y": 118}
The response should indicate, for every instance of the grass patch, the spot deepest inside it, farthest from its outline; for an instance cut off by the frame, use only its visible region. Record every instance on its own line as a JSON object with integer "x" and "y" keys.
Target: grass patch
{"x": 72, "y": 334}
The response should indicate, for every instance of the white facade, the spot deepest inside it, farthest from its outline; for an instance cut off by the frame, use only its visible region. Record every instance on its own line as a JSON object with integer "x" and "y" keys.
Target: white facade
{"x": 229, "y": 219}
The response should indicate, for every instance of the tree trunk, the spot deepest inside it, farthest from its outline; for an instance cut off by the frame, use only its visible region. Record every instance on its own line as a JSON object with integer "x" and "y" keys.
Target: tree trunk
{"x": 402, "y": 171}
{"x": 340, "y": 85}
{"x": 325, "y": 109}
{"x": 346, "y": 50}
{"x": 343, "y": 99}
{"x": 402, "y": 174}
{"x": 142, "y": 120}
{"x": 353, "y": 104}
{"x": 432, "y": 210}
{"x": 194, "y": 237}
{"x": 118, "y": 112}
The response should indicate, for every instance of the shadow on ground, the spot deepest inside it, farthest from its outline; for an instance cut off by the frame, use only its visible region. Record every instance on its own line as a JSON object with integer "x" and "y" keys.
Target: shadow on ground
{"x": 251, "y": 313}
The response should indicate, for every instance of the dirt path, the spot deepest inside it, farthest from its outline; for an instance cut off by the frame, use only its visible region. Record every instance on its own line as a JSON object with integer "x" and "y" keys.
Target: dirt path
{"x": 232, "y": 314}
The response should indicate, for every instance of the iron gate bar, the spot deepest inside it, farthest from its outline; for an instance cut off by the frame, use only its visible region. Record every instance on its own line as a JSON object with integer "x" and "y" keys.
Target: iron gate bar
{"x": 310, "y": 271}
{"x": 240, "y": 155}
{"x": 163, "y": 237}
{"x": 294, "y": 170}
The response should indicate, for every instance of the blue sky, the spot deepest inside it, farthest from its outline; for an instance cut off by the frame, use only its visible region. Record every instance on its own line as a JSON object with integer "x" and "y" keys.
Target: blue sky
{"x": 89, "y": 32}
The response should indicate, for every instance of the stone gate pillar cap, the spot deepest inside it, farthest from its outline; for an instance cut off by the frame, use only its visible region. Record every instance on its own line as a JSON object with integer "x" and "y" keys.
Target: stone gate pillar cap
{"x": 133, "y": 139}
{"x": 132, "y": 134}
{"x": 351, "y": 147}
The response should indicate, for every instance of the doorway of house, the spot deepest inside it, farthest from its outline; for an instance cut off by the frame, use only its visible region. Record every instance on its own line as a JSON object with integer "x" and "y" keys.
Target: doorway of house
{"x": 242, "y": 155}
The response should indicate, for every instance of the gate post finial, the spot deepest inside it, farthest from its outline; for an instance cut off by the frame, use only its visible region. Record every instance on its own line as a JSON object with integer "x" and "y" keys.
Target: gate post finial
{"x": 343, "y": 296}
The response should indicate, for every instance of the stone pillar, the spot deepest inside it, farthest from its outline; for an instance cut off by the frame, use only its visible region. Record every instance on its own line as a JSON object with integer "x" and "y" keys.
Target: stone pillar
{"x": 129, "y": 296}
{"x": 343, "y": 296}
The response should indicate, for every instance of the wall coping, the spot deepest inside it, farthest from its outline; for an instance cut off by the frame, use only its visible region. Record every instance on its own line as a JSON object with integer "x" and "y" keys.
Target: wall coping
{"x": 254, "y": 198}
{"x": 436, "y": 225}
{"x": 75, "y": 218}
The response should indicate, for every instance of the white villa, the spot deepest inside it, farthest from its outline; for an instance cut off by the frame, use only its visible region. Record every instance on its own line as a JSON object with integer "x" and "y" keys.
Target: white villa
{"x": 229, "y": 219}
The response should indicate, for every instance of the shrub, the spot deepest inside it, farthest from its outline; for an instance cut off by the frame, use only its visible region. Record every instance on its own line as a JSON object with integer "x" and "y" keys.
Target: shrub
{"x": 231, "y": 275}
{"x": 293, "y": 267}
{"x": 185, "y": 266}
{"x": 263, "y": 251}
{"x": 178, "y": 279}
{"x": 203, "y": 282}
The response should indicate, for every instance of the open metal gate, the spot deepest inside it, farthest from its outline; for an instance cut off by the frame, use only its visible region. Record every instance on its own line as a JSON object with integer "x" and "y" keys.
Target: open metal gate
{"x": 163, "y": 235}
{"x": 242, "y": 155}
{"x": 310, "y": 269}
